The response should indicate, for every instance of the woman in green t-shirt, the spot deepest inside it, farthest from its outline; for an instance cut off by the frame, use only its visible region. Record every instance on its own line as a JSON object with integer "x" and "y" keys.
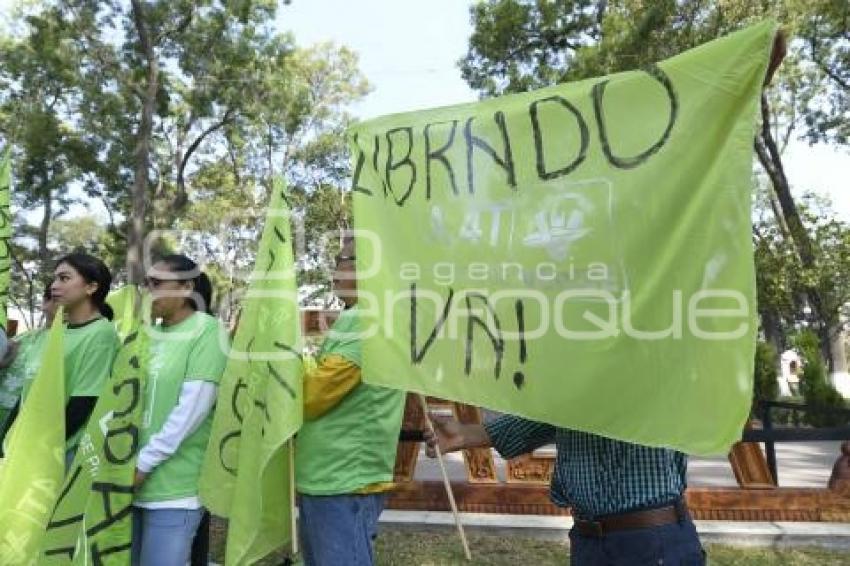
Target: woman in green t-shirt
{"x": 188, "y": 354}
{"x": 80, "y": 284}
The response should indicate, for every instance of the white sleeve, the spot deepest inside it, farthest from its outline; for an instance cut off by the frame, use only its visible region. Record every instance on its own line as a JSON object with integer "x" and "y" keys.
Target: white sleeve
{"x": 197, "y": 399}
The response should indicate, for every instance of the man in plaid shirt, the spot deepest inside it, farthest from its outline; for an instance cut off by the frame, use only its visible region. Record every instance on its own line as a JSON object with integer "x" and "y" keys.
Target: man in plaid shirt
{"x": 627, "y": 500}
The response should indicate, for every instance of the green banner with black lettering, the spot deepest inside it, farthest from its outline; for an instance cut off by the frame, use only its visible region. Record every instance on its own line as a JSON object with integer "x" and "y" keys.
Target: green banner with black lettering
{"x": 579, "y": 255}
{"x": 247, "y": 474}
{"x": 31, "y": 473}
{"x": 91, "y": 523}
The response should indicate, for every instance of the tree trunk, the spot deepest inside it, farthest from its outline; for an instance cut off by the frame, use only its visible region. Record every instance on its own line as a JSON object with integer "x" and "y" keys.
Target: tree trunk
{"x": 839, "y": 355}
{"x": 771, "y": 159}
{"x": 136, "y": 235}
{"x": 772, "y": 328}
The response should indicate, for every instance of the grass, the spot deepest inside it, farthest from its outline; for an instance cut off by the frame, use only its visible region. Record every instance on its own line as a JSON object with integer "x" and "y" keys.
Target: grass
{"x": 411, "y": 548}
{"x": 438, "y": 549}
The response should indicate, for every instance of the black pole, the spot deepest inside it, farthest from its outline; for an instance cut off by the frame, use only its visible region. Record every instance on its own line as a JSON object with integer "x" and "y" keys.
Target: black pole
{"x": 769, "y": 446}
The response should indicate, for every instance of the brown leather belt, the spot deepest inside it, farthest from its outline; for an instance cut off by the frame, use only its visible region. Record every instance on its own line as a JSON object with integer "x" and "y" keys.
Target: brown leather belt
{"x": 632, "y": 520}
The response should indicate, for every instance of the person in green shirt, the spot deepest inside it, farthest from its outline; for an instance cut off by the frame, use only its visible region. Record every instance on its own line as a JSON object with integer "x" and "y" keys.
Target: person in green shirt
{"x": 21, "y": 361}
{"x": 188, "y": 354}
{"x": 80, "y": 285}
{"x": 346, "y": 448}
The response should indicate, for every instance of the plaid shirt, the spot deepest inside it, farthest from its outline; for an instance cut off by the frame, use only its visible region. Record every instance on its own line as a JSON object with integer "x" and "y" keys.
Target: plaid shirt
{"x": 595, "y": 475}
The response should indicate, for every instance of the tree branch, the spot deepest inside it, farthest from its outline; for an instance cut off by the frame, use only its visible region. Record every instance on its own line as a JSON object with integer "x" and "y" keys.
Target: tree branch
{"x": 182, "y": 197}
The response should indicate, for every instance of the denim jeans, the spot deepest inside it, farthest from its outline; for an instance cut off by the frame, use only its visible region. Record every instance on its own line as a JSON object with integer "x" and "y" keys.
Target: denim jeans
{"x": 163, "y": 537}
{"x": 340, "y": 530}
{"x": 676, "y": 544}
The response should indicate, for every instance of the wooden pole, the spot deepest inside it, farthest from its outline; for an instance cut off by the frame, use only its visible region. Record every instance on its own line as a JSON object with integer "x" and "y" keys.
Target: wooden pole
{"x": 292, "y": 497}
{"x": 446, "y": 481}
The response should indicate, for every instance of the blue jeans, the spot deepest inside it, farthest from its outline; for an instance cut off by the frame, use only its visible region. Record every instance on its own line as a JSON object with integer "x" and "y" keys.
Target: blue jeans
{"x": 676, "y": 544}
{"x": 163, "y": 537}
{"x": 340, "y": 530}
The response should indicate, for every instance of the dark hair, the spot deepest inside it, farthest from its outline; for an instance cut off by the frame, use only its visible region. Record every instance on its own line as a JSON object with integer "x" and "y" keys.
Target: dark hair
{"x": 191, "y": 271}
{"x": 93, "y": 271}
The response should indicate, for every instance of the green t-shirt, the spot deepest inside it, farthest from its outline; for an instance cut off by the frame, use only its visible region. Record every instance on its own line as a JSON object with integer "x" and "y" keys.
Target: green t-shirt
{"x": 18, "y": 376}
{"x": 90, "y": 349}
{"x": 194, "y": 350}
{"x": 354, "y": 444}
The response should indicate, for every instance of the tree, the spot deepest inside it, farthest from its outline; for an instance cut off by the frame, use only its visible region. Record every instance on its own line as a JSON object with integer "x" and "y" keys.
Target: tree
{"x": 782, "y": 279}
{"x": 296, "y": 130}
{"x": 825, "y": 37}
{"x": 176, "y": 115}
{"x": 38, "y": 82}
{"x": 818, "y": 393}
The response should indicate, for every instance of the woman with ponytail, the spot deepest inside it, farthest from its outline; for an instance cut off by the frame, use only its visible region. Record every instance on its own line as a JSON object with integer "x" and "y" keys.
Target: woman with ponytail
{"x": 189, "y": 350}
{"x": 80, "y": 284}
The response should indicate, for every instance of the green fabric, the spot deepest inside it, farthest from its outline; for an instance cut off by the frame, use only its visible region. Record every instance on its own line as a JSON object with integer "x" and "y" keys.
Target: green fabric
{"x": 20, "y": 373}
{"x": 354, "y": 444}
{"x": 92, "y": 523}
{"x": 5, "y": 231}
{"x": 89, "y": 351}
{"x": 193, "y": 350}
{"x": 246, "y": 475}
{"x": 31, "y": 474}
{"x": 124, "y": 303}
{"x": 579, "y": 255}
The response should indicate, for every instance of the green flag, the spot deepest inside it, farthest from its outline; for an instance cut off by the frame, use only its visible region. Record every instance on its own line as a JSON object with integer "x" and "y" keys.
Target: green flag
{"x": 579, "y": 255}
{"x": 92, "y": 520}
{"x": 125, "y": 304}
{"x": 5, "y": 231}
{"x": 31, "y": 474}
{"x": 246, "y": 475}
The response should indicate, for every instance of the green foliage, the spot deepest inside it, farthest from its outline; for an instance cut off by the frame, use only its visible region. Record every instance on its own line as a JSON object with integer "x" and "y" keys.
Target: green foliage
{"x": 782, "y": 279}
{"x": 817, "y": 391}
{"x": 517, "y": 45}
{"x": 821, "y": 395}
{"x": 765, "y": 384}
{"x": 237, "y": 103}
{"x": 825, "y": 40}
{"x": 807, "y": 345}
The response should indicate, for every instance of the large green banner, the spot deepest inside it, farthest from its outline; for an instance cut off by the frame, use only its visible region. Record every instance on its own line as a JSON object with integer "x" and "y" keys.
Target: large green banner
{"x": 31, "y": 474}
{"x": 5, "y": 231}
{"x": 91, "y": 523}
{"x": 246, "y": 475}
{"x": 578, "y": 255}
